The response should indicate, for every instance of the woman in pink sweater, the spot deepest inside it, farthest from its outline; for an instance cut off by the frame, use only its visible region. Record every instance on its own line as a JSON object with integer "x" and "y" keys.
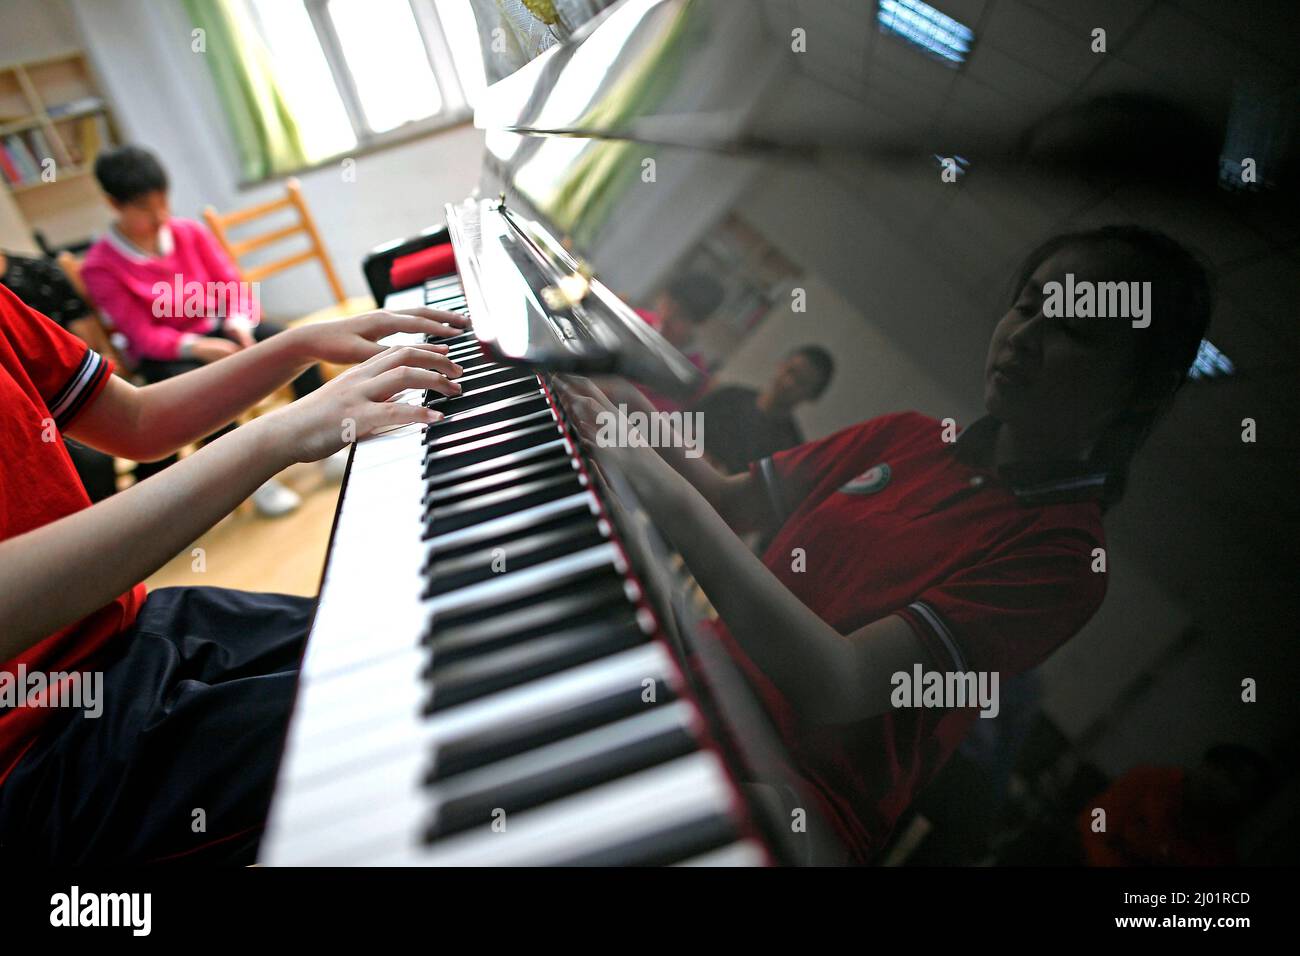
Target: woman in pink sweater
{"x": 172, "y": 292}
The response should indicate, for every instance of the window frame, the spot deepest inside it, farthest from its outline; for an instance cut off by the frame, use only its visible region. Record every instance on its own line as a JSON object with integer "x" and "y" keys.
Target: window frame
{"x": 454, "y": 111}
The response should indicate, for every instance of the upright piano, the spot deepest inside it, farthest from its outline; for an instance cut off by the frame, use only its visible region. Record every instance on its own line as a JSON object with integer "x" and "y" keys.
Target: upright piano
{"x": 509, "y": 664}
{"x": 505, "y": 666}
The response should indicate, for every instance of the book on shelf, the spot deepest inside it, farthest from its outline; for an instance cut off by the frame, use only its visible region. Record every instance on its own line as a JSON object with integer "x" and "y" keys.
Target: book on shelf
{"x": 11, "y": 173}
{"x": 41, "y": 146}
{"x": 92, "y": 135}
{"x": 22, "y": 158}
{"x": 84, "y": 104}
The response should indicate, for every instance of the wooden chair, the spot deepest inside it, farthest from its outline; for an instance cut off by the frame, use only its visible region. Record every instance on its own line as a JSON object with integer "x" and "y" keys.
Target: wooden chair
{"x": 93, "y": 330}
{"x": 221, "y": 225}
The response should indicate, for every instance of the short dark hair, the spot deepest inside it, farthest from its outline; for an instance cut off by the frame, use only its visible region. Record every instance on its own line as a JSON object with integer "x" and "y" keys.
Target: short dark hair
{"x": 129, "y": 172}
{"x": 699, "y": 295}
{"x": 1165, "y": 353}
{"x": 820, "y": 359}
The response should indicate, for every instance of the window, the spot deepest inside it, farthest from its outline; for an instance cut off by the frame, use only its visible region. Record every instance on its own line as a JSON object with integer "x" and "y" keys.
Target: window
{"x": 355, "y": 73}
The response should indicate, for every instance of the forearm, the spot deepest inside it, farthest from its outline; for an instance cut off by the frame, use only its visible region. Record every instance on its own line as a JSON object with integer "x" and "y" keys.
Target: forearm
{"x": 182, "y": 409}
{"x": 724, "y": 495}
{"x": 813, "y": 665}
{"x": 57, "y": 574}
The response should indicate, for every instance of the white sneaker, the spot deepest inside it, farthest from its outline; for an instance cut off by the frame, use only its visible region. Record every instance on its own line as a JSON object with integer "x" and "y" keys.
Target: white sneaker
{"x": 273, "y": 499}
{"x": 335, "y": 465}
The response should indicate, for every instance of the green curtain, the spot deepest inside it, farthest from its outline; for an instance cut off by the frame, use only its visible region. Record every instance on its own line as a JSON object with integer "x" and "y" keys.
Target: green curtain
{"x": 265, "y": 133}
{"x": 589, "y": 193}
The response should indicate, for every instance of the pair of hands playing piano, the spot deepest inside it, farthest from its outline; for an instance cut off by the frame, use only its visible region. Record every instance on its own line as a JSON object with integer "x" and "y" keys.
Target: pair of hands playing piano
{"x": 58, "y": 573}
{"x": 357, "y": 403}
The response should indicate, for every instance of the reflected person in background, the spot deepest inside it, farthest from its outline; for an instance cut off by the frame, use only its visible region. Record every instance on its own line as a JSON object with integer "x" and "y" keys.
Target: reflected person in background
{"x": 893, "y": 547}
{"x": 679, "y": 310}
{"x": 742, "y": 424}
{"x": 1174, "y": 816}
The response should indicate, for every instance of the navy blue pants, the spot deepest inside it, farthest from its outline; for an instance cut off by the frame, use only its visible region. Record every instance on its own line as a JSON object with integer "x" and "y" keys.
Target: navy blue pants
{"x": 180, "y": 764}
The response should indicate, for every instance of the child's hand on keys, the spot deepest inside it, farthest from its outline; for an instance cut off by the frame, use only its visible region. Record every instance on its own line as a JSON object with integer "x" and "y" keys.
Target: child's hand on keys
{"x": 357, "y": 403}
{"x": 356, "y": 339}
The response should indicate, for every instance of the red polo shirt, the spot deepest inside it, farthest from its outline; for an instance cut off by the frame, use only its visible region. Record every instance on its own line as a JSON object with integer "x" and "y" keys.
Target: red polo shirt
{"x": 992, "y": 569}
{"x": 47, "y": 377}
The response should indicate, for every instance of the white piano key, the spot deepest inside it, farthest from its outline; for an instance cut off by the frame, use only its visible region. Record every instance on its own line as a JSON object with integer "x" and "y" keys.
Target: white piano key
{"x": 389, "y": 685}
{"x": 740, "y": 853}
{"x": 363, "y": 770}
{"x": 405, "y": 299}
{"x": 314, "y": 758}
{"x": 369, "y": 602}
{"x": 643, "y": 804}
{"x": 508, "y": 587}
{"x": 494, "y": 529}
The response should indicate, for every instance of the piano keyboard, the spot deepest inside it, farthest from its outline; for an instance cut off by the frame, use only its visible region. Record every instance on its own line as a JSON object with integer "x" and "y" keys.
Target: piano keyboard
{"x": 484, "y": 683}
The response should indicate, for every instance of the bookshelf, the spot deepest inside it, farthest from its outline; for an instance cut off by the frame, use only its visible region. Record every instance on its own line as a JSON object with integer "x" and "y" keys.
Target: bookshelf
{"x": 53, "y": 122}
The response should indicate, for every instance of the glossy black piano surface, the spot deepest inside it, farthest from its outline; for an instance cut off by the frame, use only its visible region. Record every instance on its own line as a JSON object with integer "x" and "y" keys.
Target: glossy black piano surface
{"x": 845, "y": 188}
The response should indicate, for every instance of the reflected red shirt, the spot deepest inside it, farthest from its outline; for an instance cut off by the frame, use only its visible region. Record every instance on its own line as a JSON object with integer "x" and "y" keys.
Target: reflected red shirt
{"x": 992, "y": 572}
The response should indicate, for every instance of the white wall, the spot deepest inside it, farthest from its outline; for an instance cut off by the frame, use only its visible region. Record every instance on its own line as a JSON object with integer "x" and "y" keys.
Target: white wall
{"x": 31, "y": 29}
{"x": 164, "y": 100}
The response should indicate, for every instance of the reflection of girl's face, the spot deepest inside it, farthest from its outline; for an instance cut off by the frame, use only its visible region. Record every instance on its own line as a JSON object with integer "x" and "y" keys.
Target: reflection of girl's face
{"x": 1063, "y": 378}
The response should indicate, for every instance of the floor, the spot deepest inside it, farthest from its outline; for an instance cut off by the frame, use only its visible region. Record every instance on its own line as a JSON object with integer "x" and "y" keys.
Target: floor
{"x": 247, "y": 551}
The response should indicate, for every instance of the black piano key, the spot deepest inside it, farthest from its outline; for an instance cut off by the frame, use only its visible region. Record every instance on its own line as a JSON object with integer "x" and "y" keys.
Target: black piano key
{"x": 555, "y": 446}
{"x": 484, "y": 449}
{"x": 470, "y": 381}
{"x": 455, "y": 755}
{"x": 574, "y": 604}
{"x": 483, "y": 674}
{"x": 557, "y": 464}
{"x": 511, "y": 527}
{"x": 482, "y": 394}
{"x": 503, "y": 407}
{"x": 448, "y": 302}
{"x": 444, "y": 496}
{"x": 456, "y": 350}
{"x": 467, "y": 351}
{"x": 529, "y": 462}
{"x": 519, "y": 554}
{"x": 485, "y": 415}
{"x": 534, "y": 582}
{"x": 503, "y": 425}
{"x": 485, "y": 507}
{"x": 462, "y": 338}
{"x": 476, "y": 362}
{"x": 513, "y": 524}
{"x": 673, "y": 845}
{"x": 561, "y": 769}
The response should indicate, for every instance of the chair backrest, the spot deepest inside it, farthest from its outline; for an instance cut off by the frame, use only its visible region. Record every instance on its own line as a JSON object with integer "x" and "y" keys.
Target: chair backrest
{"x": 94, "y": 331}
{"x": 222, "y": 223}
